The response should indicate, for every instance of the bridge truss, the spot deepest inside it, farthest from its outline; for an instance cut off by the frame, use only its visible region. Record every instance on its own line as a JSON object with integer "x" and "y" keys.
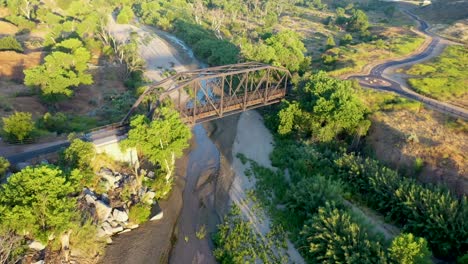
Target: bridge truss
{"x": 211, "y": 93}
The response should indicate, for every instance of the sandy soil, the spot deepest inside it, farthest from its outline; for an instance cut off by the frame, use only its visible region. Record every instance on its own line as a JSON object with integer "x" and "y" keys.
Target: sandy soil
{"x": 255, "y": 141}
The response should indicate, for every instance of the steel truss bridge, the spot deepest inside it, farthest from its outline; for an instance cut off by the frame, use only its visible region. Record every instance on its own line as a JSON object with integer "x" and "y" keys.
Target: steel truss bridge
{"x": 212, "y": 93}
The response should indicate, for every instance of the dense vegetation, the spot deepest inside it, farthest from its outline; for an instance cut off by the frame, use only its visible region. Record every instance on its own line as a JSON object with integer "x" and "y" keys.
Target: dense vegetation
{"x": 10, "y": 43}
{"x": 444, "y": 78}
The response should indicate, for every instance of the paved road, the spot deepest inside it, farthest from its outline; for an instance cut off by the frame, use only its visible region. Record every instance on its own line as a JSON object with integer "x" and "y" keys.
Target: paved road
{"x": 98, "y": 136}
{"x": 376, "y": 79}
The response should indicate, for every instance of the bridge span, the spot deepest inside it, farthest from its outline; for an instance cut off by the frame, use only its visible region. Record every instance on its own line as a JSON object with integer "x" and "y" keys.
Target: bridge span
{"x": 199, "y": 96}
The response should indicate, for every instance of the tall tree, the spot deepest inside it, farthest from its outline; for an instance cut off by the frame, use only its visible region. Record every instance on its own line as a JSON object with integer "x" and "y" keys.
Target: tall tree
{"x": 160, "y": 141}
{"x": 64, "y": 68}
{"x": 37, "y": 202}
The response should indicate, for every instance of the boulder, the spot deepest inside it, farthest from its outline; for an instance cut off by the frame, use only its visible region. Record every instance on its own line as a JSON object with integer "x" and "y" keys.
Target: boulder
{"x": 105, "y": 198}
{"x": 109, "y": 240}
{"x": 151, "y": 175}
{"x": 90, "y": 199}
{"x": 107, "y": 228}
{"x": 114, "y": 223}
{"x": 101, "y": 233}
{"x": 117, "y": 229}
{"x": 125, "y": 231}
{"x": 132, "y": 226}
{"x": 108, "y": 175}
{"x": 120, "y": 216}
{"x": 36, "y": 245}
{"x": 102, "y": 210}
{"x": 39, "y": 262}
{"x": 156, "y": 212}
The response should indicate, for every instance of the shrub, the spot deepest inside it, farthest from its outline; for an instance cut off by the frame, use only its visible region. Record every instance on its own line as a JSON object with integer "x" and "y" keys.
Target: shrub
{"x": 333, "y": 237}
{"x": 18, "y": 126}
{"x": 139, "y": 213}
{"x": 407, "y": 249}
{"x": 125, "y": 15}
{"x": 21, "y": 22}
{"x": 4, "y": 165}
{"x": 54, "y": 122}
{"x": 79, "y": 154}
{"x": 10, "y": 43}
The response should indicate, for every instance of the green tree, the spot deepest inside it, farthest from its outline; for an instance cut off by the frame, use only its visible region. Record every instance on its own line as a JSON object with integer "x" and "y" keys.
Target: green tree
{"x": 79, "y": 154}
{"x": 327, "y": 108}
{"x": 18, "y": 126}
{"x": 160, "y": 141}
{"x": 36, "y": 202}
{"x": 289, "y": 49}
{"x": 407, "y": 249}
{"x": 358, "y": 21}
{"x": 330, "y": 42}
{"x": 334, "y": 237}
{"x": 63, "y": 69}
{"x": 125, "y": 15}
{"x": 346, "y": 39}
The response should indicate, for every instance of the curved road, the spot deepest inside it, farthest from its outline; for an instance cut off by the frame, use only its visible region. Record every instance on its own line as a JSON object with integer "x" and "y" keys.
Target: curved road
{"x": 378, "y": 79}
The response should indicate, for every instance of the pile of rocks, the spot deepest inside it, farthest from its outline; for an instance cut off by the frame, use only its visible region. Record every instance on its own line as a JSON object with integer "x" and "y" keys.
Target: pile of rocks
{"x": 115, "y": 219}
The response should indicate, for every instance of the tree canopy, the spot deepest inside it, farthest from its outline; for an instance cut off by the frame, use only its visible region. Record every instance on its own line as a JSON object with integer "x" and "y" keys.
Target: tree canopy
{"x": 63, "y": 69}
{"x": 326, "y": 108}
{"x": 18, "y": 126}
{"x": 407, "y": 249}
{"x": 161, "y": 140}
{"x": 37, "y": 202}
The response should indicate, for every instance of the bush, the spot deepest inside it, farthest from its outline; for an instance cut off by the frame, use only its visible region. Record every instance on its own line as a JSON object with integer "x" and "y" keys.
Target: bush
{"x": 10, "y": 43}
{"x": 54, "y": 122}
{"x": 125, "y": 15}
{"x": 407, "y": 249}
{"x": 21, "y": 22}
{"x": 79, "y": 154}
{"x": 18, "y": 126}
{"x": 333, "y": 237}
{"x": 4, "y": 165}
{"x": 139, "y": 213}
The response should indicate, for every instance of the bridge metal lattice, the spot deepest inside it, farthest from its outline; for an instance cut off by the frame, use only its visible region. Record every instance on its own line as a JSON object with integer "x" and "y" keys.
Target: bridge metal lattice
{"x": 211, "y": 93}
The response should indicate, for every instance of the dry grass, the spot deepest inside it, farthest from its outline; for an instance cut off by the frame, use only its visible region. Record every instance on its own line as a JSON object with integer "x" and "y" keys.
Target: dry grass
{"x": 442, "y": 146}
{"x": 12, "y": 64}
{"x": 7, "y": 28}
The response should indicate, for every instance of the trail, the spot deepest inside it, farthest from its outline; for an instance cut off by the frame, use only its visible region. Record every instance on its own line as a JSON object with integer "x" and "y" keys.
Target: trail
{"x": 383, "y": 76}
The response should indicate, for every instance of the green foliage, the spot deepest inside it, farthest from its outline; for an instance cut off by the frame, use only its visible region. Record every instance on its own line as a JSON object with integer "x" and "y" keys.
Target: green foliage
{"x": 18, "y": 126}
{"x": 10, "y": 43}
{"x": 346, "y": 39}
{"x": 443, "y": 78}
{"x": 37, "y": 202}
{"x": 407, "y": 249}
{"x": 358, "y": 21}
{"x": 162, "y": 140}
{"x": 83, "y": 238}
{"x": 63, "y": 69}
{"x": 334, "y": 237}
{"x": 21, "y": 22}
{"x": 330, "y": 42}
{"x": 282, "y": 49}
{"x": 139, "y": 213}
{"x": 4, "y": 165}
{"x": 54, "y": 122}
{"x": 116, "y": 105}
{"x": 305, "y": 197}
{"x": 327, "y": 108}
{"x": 237, "y": 242}
{"x": 430, "y": 212}
{"x": 125, "y": 15}
{"x": 206, "y": 45}
{"x": 79, "y": 154}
